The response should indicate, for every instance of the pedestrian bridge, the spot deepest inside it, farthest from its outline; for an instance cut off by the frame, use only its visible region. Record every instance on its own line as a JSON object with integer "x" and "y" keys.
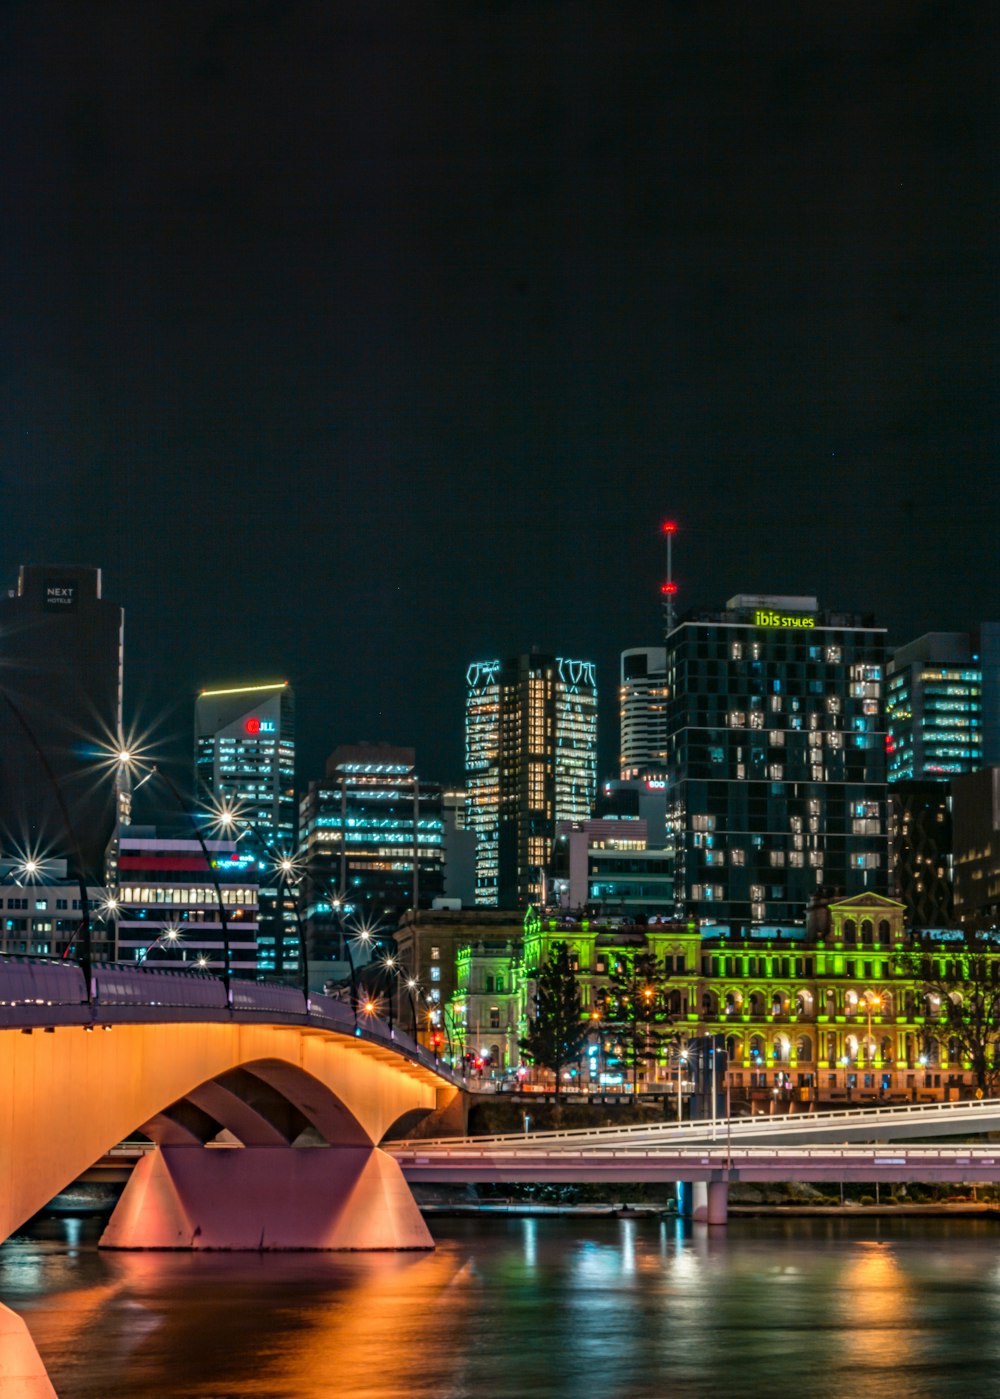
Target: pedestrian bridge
{"x": 306, "y": 1092}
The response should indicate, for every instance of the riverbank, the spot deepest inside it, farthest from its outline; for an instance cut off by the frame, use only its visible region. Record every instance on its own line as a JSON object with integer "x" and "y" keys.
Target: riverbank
{"x": 850, "y": 1209}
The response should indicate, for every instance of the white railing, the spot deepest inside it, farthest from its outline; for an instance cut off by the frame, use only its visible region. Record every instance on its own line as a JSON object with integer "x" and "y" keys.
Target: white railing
{"x": 719, "y": 1156}
{"x": 971, "y": 1109}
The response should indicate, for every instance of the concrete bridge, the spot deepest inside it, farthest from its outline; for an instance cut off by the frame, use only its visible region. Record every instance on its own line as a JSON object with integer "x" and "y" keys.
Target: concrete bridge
{"x": 307, "y": 1092}
{"x": 267, "y": 1110}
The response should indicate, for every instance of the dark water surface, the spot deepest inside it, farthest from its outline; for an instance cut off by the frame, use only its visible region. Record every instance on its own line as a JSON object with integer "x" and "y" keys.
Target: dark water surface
{"x": 510, "y": 1308}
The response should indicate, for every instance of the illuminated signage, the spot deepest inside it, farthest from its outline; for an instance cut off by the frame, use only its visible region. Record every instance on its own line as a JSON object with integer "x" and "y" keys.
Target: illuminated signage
{"x": 483, "y": 673}
{"x": 59, "y": 593}
{"x": 576, "y": 673}
{"x": 656, "y": 784}
{"x": 256, "y": 726}
{"x": 763, "y": 617}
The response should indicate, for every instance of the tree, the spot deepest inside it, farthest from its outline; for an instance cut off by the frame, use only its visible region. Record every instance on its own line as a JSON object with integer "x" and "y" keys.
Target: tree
{"x": 635, "y": 1004}
{"x": 964, "y": 986}
{"x": 557, "y": 1030}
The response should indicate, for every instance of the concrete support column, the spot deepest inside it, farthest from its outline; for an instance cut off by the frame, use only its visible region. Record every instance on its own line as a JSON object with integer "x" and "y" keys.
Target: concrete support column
{"x": 699, "y": 1201}
{"x": 273, "y": 1198}
{"x": 22, "y": 1374}
{"x": 717, "y": 1211}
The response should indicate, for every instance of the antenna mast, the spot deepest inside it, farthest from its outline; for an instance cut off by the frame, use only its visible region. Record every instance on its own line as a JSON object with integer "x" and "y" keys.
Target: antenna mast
{"x": 669, "y": 588}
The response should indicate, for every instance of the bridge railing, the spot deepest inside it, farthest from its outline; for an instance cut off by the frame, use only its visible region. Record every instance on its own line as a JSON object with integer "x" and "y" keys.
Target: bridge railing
{"x": 762, "y": 1125}
{"x": 40, "y": 993}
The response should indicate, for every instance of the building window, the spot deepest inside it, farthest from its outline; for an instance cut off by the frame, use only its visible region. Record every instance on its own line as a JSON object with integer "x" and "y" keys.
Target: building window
{"x": 436, "y": 974}
{"x": 435, "y": 954}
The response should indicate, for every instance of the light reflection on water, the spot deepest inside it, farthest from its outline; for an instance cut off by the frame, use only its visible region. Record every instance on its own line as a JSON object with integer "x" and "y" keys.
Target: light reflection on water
{"x": 517, "y": 1308}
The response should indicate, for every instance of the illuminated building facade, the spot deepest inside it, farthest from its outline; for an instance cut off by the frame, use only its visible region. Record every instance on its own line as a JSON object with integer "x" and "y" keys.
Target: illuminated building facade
{"x": 531, "y": 761}
{"x": 40, "y": 916}
{"x": 826, "y": 1011}
{"x": 642, "y": 699}
{"x": 777, "y": 750}
{"x": 371, "y": 844}
{"x": 166, "y": 887}
{"x": 61, "y": 646}
{"x": 934, "y": 708}
{"x": 429, "y": 943}
{"x": 487, "y": 1007}
{"x": 607, "y": 867}
{"x": 245, "y": 761}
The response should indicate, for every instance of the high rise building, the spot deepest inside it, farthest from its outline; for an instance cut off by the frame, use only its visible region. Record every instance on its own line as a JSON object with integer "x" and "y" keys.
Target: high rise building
{"x": 245, "y": 756}
{"x": 61, "y": 667}
{"x": 371, "y": 844}
{"x": 459, "y": 848}
{"x": 169, "y": 899}
{"x": 934, "y": 708}
{"x": 245, "y": 762}
{"x": 921, "y": 853}
{"x": 642, "y": 697}
{"x": 776, "y": 736}
{"x": 976, "y": 817}
{"x": 530, "y": 761}
{"x": 943, "y": 714}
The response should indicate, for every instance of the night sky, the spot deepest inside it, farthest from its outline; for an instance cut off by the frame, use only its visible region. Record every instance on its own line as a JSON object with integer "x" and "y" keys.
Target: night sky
{"x": 359, "y": 341}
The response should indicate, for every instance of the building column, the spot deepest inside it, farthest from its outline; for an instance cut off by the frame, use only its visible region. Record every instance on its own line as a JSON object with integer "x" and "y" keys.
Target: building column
{"x": 22, "y": 1374}
{"x": 267, "y": 1198}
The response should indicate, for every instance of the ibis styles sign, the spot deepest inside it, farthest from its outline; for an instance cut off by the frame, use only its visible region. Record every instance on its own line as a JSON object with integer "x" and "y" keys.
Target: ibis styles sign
{"x": 763, "y": 617}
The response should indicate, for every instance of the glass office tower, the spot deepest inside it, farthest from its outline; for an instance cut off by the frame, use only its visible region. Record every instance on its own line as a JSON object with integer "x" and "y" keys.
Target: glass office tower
{"x": 245, "y": 760}
{"x": 530, "y": 761}
{"x": 776, "y": 738}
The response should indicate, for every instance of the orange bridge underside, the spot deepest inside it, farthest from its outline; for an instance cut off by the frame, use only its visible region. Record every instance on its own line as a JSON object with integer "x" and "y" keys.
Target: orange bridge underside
{"x": 69, "y": 1095}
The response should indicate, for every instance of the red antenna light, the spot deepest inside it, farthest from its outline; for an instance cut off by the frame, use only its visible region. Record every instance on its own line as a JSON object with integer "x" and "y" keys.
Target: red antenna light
{"x": 669, "y": 588}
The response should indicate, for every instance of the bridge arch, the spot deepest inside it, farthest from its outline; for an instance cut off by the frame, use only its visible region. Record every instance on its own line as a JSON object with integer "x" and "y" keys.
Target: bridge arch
{"x": 71, "y": 1093}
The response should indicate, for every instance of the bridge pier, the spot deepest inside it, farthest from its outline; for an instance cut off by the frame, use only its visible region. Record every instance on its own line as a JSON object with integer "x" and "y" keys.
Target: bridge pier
{"x": 706, "y": 1202}
{"x": 22, "y": 1374}
{"x": 267, "y": 1198}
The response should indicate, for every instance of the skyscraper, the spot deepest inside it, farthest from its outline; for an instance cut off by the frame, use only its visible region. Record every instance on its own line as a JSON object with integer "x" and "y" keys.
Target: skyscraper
{"x": 943, "y": 713}
{"x": 530, "y": 761}
{"x": 61, "y": 648}
{"x": 642, "y": 697}
{"x": 371, "y": 838}
{"x": 934, "y": 708}
{"x": 245, "y": 761}
{"x": 245, "y": 756}
{"x": 777, "y": 742}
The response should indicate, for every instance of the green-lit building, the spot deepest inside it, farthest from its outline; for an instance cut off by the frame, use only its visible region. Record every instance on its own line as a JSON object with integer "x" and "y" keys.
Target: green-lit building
{"x": 824, "y": 1011}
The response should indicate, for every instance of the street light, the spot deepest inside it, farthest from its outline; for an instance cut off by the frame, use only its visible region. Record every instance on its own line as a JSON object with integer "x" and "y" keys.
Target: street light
{"x": 167, "y": 936}
{"x": 872, "y": 999}
{"x": 128, "y": 760}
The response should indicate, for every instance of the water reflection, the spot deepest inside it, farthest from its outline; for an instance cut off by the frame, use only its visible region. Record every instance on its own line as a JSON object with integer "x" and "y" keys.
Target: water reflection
{"x": 509, "y": 1309}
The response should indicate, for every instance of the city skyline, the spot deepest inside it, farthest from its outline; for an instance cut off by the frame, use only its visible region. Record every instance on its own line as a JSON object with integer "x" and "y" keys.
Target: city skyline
{"x": 378, "y": 356}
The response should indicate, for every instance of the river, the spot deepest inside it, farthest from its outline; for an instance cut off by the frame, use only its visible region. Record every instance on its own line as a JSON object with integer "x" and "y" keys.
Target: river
{"x": 512, "y": 1308}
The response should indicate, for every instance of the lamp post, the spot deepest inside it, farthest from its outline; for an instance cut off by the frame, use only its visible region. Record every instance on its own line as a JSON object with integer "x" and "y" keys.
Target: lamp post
{"x": 130, "y": 762}
{"x": 86, "y": 959}
{"x": 170, "y": 936}
{"x": 872, "y": 999}
{"x": 284, "y": 867}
